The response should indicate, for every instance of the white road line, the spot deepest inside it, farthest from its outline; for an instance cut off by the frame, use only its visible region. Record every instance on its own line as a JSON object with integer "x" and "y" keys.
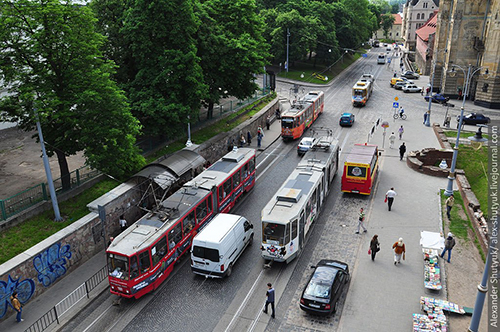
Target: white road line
{"x": 95, "y": 320}
{"x": 244, "y": 301}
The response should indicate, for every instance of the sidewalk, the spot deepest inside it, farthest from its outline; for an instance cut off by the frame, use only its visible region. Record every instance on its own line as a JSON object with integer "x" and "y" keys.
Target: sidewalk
{"x": 38, "y": 307}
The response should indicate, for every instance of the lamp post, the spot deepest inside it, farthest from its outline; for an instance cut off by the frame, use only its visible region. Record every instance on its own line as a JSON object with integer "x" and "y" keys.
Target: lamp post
{"x": 189, "y": 143}
{"x": 428, "y": 117}
{"x": 470, "y": 74}
{"x": 287, "y": 47}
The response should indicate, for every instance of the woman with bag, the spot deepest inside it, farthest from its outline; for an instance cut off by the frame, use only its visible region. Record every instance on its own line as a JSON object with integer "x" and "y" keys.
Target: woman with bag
{"x": 399, "y": 250}
{"x": 374, "y": 246}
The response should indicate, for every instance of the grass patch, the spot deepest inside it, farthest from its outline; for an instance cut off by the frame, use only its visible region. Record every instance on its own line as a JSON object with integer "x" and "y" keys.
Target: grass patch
{"x": 223, "y": 125}
{"x": 465, "y": 135}
{"x": 308, "y": 69}
{"x": 458, "y": 225}
{"x": 29, "y": 233}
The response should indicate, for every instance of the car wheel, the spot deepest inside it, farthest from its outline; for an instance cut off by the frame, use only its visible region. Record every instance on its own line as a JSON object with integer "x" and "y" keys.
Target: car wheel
{"x": 229, "y": 270}
{"x": 335, "y": 306}
{"x": 406, "y": 91}
{"x": 251, "y": 240}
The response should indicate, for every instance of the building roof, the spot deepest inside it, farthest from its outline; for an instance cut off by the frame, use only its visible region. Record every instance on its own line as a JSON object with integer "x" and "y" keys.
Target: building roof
{"x": 414, "y": 2}
{"x": 397, "y": 19}
{"x": 428, "y": 28}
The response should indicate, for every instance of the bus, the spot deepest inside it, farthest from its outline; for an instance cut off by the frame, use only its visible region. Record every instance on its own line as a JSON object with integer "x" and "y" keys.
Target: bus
{"x": 143, "y": 256}
{"x": 301, "y": 115}
{"x": 288, "y": 217}
{"x": 360, "y": 169}
{"x": 361, "y": 92}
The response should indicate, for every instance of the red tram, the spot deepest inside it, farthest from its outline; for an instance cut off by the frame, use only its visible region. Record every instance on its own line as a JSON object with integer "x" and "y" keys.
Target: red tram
{"x": 143, "y": 256}
{"x": 302, "y": 115}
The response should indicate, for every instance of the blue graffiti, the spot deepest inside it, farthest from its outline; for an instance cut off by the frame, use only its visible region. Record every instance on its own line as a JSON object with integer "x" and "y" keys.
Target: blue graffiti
{"x": 50, "y": 264}
{"x": 25, "y": 290}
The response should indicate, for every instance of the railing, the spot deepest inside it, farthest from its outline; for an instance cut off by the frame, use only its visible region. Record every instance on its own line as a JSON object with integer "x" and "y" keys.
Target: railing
{"x": 60, "y": 309}
{"x": 34, "y": 195}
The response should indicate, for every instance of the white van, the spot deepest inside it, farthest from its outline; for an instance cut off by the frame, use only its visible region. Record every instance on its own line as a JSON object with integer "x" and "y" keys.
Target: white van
{"x": 381, "y": 59}
{"x": 217, "y": 247}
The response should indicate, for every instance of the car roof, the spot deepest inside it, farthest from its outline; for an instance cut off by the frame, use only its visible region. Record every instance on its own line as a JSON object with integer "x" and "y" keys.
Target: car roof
{"x": 346, "y": 114}
{"x": 305, "y": 139}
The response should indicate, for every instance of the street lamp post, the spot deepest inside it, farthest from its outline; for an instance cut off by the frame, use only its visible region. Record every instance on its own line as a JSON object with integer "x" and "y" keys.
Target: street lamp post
{"x": 451, "y": 176}
{"x": 428, "y": 117}
{"x": 287, "y": 47}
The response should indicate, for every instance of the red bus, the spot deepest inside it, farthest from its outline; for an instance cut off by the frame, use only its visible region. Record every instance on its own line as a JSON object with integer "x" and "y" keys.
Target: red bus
{"x": 302, "y": 115}
{"x": 360, "y": 169}
{"x": 143, "y": 256}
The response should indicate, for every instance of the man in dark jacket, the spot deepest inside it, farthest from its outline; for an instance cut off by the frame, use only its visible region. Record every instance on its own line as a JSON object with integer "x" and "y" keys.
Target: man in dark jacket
{"x": 402, "y": 150}
{"x": 449, "y": 243}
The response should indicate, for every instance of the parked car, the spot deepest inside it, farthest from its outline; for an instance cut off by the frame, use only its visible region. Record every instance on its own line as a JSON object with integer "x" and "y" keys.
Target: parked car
{"x": 325, "y": 287}
{"x": 410, "y": 74}
{"x": 438, "y": 98}
{"x": 346, "y": 119}
{"x": 399, "y": 85}
{"x": 305, "y": 144}
{"x": 411, "y": 88}
{"x": 394, "y": 80}
{"x": 474, "y": 119}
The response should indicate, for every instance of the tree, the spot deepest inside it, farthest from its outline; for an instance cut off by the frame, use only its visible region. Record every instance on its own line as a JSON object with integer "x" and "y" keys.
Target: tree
{"x": 53, "y": 68}
{"x": 387, "y": 20}
{"x": 167, "y": 84}
{"x": 231, "y": 48}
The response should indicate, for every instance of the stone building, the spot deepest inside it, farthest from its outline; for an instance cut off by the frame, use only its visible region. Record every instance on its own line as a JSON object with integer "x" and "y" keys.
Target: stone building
{"x": 415, "y": 14}
{"x": 468, "y": 33}
{"x": 394, "y": 32}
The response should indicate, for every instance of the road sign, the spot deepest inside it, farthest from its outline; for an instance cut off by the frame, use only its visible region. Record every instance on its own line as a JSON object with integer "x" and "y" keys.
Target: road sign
{"x": 395, "y": 105}
{"x": 396, "y": 98}
{"x": 385, "y": 124}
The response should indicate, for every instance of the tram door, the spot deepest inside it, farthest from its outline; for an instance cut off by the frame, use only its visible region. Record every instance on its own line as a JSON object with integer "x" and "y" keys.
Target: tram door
{"x": 301, "y": 229}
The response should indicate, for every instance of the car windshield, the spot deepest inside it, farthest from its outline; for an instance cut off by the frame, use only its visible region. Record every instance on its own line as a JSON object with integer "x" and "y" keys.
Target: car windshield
{"x": 318, "y": 289}
{"x": 306, "y": 143}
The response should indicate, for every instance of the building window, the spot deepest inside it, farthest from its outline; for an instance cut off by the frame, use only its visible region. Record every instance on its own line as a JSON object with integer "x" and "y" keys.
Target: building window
{"x": 418, "y": 16}
{"x": 425, "y": 5}
{"x": 397, "y": 34}
{"x": 430, "y": 15}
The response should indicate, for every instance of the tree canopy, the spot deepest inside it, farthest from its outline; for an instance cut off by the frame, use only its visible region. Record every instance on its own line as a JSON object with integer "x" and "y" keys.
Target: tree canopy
{"x": 52, "y": 67}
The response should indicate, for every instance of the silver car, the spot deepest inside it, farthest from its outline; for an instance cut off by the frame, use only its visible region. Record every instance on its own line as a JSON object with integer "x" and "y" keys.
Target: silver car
{"x": 411, "y": 88}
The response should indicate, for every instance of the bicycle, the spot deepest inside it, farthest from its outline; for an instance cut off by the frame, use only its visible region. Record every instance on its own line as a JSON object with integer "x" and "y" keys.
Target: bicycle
{"x": 399, "y": 115}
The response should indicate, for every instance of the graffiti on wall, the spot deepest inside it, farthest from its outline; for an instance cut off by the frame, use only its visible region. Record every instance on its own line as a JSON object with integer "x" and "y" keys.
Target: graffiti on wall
{"x": 25, "y": 290}
{"x": 51, "y": 263}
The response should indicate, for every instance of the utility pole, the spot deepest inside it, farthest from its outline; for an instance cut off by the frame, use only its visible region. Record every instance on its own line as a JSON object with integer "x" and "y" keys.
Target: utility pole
{"x": 287, "y": 46}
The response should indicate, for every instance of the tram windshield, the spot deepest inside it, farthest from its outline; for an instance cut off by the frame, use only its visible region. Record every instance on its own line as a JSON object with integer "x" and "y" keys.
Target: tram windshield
{"x": 118, "y": 266}
{"x": 273, "y": 233}
{"x": 287, "y": 122}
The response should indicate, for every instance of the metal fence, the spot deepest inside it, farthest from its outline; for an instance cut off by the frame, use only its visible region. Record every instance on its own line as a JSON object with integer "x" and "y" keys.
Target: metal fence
{"x": 60, "y": 309}
{"x": 34, "y": 195}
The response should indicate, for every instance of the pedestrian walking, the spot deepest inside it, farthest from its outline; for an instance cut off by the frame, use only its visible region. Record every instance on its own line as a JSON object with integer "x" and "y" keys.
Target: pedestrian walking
{"x": 269, "y": 299}
{"x": 268, "y": 122}
{"x": 242, "y": 140}
{"x": 422, "y": 91}
{"x": 402, "y": 150}
{"x": 249, "y": 138}
{"x": 260, "y": 130}
{"x": 389, "y": 197}
{"x": 111, "y": 239}
{"x": 401, "y": 130}
{"x": 449, "y": 243}
{"x": 449, "y": 204}
{"x": 361, "y": 219}
{"x": 374, "y": 246}
{"x": 259, "y": 138}
{"x": 17, "y": 306}
{"x": 395, "y": 74}
{"x": 428, "y": 90}
{"x": 392, "y": 139}
{"x": 399, "y": 250}
{"x": 123, "y": 223}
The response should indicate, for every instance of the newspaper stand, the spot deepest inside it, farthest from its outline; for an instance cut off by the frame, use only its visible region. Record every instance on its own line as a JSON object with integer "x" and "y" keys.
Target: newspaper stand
{"x": 432, "y": 271}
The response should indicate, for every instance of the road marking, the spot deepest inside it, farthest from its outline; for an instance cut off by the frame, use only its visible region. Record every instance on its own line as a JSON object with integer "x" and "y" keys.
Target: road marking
{"x": 95, "y": 320}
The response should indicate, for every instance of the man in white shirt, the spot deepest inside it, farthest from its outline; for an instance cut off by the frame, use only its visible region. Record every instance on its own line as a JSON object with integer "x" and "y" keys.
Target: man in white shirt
{"x": 123, "y": 223}
{"x": 390, "y": 194}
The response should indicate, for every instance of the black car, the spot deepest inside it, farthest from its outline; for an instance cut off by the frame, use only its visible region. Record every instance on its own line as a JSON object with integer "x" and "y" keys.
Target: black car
{"x": 474, "y": 119}
{"x": 438, "y": 98}
{"x": 411, "y": 75}
{"x": 325, "y": 286}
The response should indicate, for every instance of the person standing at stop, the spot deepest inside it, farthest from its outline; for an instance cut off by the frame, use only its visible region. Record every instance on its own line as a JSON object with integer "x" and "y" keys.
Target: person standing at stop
{"x": 270, "y": 299}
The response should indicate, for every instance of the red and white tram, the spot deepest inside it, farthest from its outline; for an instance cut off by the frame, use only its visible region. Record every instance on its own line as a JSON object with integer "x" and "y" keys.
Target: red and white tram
{"x": 142, "y": 256}
{"x": 302, "y": 115}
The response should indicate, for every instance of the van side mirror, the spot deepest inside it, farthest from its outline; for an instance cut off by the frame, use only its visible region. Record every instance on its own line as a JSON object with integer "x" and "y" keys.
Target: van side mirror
{"x": 313, "y": 266}
{"x": 251, "y": 226}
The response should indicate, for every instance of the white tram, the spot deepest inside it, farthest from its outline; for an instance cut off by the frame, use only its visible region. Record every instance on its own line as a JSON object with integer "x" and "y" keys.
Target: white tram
{"x": 287, "y": 218}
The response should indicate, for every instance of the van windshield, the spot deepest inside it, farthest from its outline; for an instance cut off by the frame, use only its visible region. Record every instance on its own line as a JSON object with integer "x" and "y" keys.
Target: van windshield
{"x": 207, "y": 253}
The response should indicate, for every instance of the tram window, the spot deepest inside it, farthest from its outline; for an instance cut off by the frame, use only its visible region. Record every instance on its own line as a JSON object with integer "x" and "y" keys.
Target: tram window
{"x": 175, "y": 234}
{"x": 273, "y": 233}
{"x": 209, "y": 205}
{"x": 236, "y": 179}
{"x": 118, "y": 266}
{"x": 245, "y": 171}
{"x": 295, "y": 228}
{"x": 227, "y": 187}
{"x": 201, "y": 211}
{"x": 308, "y": 209}
{"x": 145, "y": 261}
{"x": 188, "y": 223}
{"x": 251, "y": 165}
{"x": 134, "y": 267}
{"x": 287, "y": 233}
{"x": 159, "y": 250}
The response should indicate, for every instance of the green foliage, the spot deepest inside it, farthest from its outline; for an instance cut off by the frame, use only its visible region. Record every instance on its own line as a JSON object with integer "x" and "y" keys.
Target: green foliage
{"x": 55, "y": 74}
{"x": 459, "y": 223}
{"x": 22, "y": 237}
{"x": 387, "y": 20}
